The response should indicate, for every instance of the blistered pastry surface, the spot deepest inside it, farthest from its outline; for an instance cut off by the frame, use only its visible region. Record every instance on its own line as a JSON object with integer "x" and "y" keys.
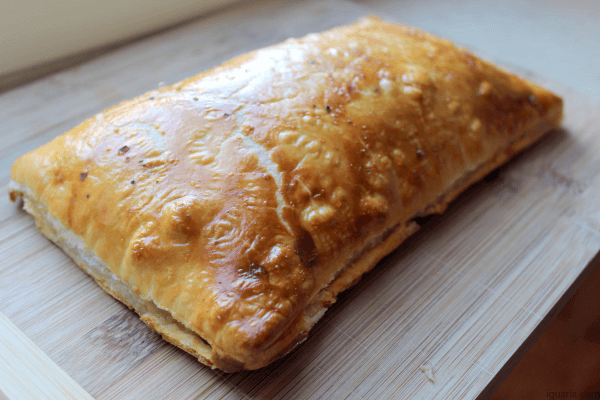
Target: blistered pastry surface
{"x": 232, "y": 198}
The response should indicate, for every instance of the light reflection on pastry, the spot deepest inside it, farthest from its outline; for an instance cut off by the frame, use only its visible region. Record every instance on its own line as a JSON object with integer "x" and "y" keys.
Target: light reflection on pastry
{"x": 231, "y": 208}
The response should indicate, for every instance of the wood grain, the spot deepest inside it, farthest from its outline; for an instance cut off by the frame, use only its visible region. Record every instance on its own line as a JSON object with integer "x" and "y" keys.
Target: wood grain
{"x": 463, "y": 295}
{"x": 26, "y": 372}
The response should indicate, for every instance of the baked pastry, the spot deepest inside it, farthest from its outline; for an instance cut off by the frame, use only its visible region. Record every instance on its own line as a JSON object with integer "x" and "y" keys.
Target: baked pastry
{"x": 231, "y": 208}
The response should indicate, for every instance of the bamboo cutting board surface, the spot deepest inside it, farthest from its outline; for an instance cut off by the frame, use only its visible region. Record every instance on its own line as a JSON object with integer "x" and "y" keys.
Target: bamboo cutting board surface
{"x": 464, "y": 296}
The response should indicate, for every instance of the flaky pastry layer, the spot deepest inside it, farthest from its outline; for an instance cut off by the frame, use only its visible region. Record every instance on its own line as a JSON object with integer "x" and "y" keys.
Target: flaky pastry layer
{"x": 230, "y": 209}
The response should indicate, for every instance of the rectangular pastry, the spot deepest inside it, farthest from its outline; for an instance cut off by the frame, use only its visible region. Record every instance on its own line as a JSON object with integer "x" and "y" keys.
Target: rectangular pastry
{"x": 230, "y": 209}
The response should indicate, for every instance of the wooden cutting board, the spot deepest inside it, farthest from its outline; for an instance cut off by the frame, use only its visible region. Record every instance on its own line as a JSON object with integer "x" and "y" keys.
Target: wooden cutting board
{"x": 465, "y": 296}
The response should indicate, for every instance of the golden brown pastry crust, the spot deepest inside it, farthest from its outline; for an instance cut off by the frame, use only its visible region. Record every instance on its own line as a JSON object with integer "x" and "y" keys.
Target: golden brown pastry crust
{"x": 234, "y": 206}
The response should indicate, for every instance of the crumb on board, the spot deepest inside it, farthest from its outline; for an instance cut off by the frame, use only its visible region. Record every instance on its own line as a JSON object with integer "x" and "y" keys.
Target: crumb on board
{"x": 427, "y": 369}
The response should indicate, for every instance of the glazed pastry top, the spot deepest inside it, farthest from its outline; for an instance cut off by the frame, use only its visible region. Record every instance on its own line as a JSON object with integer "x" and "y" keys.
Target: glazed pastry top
{"x": 231, "y": 199}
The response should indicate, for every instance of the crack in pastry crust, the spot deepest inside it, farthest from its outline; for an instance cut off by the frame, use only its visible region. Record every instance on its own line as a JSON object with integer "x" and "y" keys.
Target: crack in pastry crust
{"x": 238, "y": 203}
